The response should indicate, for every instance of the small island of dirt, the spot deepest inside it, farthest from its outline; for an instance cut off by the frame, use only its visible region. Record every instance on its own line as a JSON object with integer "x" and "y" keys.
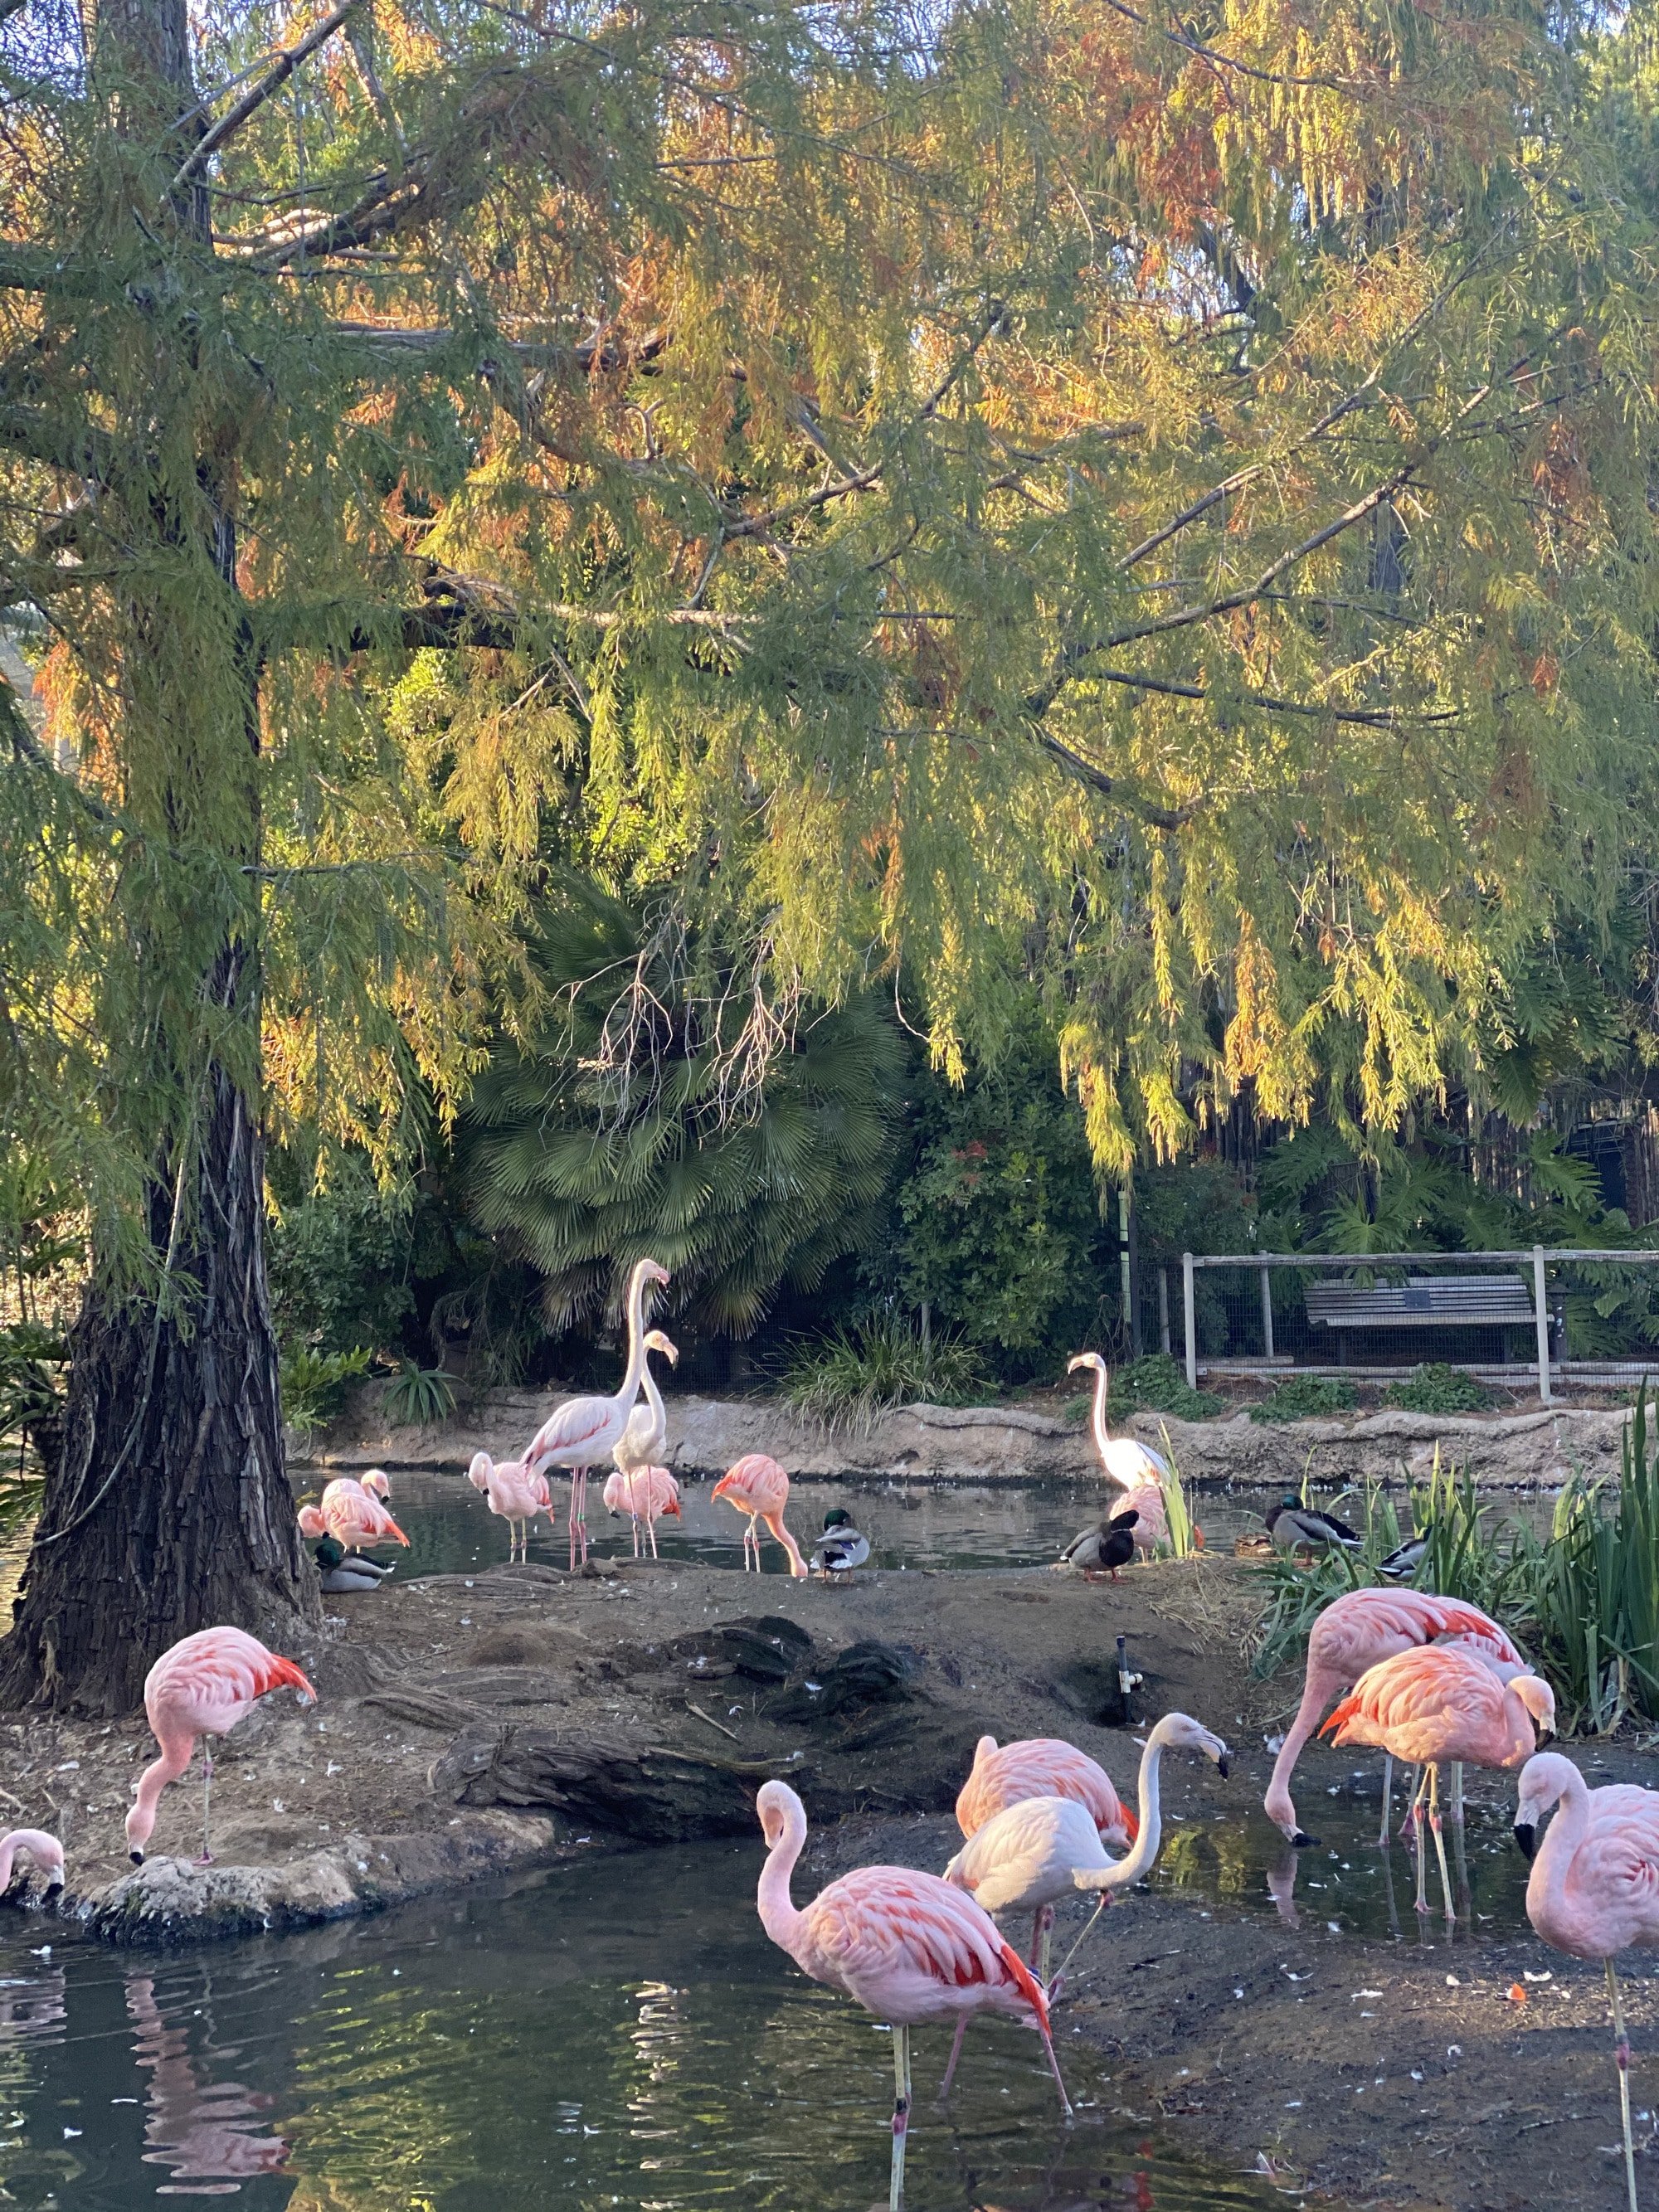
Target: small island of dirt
{"x": 471, "y": 1725}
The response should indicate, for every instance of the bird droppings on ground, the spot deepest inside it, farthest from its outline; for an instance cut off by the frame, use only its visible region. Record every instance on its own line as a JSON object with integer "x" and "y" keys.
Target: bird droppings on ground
{"x": 471, "y": 1725}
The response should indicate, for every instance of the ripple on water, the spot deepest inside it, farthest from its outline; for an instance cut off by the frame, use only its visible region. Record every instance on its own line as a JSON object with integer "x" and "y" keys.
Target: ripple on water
{"x": 617, "y": 2034}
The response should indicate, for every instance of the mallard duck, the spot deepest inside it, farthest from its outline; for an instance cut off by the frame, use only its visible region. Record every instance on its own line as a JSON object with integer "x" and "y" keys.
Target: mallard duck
{"x": 1294, "y": 1526}
{"x": 1403, "y": 1563}
{"x": 840, "y": 1549}
{"x": 1105, "y": 1549}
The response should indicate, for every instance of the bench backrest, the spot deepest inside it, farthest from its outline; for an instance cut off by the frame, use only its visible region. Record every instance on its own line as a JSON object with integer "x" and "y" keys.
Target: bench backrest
{"x": 1469, "y": 1299}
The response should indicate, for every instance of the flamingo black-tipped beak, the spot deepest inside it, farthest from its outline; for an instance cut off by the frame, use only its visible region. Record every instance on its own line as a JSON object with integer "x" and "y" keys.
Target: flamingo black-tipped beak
{"x": 54, "y": 1885}
{"x": 1222, "y": 1765}
{"x": 1302, "y": 1840}
{"x": 137, "y": 1857}
{"x": 1526, "y": 1834}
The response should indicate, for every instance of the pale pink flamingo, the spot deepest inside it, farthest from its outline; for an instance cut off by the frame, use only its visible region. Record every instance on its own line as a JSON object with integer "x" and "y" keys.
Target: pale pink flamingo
{"x": 352, "y": 1516}
{"x": 1593, "y": 1888}
{"x": 202, "y": 1687}
{"x": 1138, "y": 1471}
{"x": 1437, "y": 1703}
{"x": 516, "y": 1496}
{"x": 1041, "y": 1767}
{"x": 645, "y": 1495}
{"x": 758, "y": 1486}
{"x": 377, "y": 1483}
{"x": 583, "y": 1432}
{"x": 1354, "y": 1633}
{"x": 46, "y": 1851}
{"x": 1028, "y": 1856}
{"x": 644, "y": 1442}
{"x": 906, "y": 1946}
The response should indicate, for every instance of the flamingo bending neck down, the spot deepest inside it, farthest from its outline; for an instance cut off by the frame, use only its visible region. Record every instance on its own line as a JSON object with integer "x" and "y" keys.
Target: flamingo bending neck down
{"x": 905, "y": 1945}
{"x": 646, "y": 1496}
{"x": 758, "y": 1486}
{"x": 202, "y": 1687}
{"x": 1593, "y": 1888}
{"x": 514, "y": 1496}
{"x": 46, "y": 1851}
{"x": 583, "y": 1432}
{"x": 350, "y": 1514}
{"x": 1354, "y": 1633}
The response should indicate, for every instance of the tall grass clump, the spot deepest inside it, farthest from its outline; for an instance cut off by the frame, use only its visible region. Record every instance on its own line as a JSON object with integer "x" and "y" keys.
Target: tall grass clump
{"x": 857, "y": 1374}
{"x": 1177, "y": 1514}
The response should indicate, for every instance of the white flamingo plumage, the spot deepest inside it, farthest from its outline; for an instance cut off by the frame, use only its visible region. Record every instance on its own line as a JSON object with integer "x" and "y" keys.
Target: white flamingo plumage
{"x": 1136, "y": 1468}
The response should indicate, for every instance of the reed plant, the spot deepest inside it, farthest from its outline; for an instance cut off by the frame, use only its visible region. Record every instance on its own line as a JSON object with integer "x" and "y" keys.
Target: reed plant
{"x": 1184, "y": 1540}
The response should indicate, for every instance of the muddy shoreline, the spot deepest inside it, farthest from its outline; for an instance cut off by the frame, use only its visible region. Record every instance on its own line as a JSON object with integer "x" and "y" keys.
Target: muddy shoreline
{"x": 469, "y": 1725}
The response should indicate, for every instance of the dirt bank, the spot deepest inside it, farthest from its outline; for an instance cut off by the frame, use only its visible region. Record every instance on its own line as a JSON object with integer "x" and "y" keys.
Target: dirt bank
{"x": 1017, "y": 1443}
{"x": 472, "y": 1724}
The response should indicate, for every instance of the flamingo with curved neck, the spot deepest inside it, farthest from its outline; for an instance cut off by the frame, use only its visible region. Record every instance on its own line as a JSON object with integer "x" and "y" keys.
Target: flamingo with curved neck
{"x": 582, "y": 1431}
{"x": 46, "y": 1851}
{"x": 644, "y": 1442}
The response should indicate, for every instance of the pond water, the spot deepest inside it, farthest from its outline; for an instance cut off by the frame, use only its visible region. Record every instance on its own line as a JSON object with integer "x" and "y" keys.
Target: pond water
{"x": 922, "y": 1524}
{"x": 620, "y": 2033}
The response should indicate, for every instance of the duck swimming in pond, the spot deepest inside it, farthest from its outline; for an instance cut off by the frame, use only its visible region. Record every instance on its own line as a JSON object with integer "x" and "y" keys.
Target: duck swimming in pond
{"x": 841, "y": 1548}
{"x": 1295, "y": 1526}
{"x": 1105, "y": 1549}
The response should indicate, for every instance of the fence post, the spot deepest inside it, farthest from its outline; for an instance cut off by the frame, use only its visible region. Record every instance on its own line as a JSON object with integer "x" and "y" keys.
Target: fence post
{"x": 1541, "y": 1315}
{"x": 1163, "y": 1310}
{"x": 1187, "y": 1319}
{"x": 1267, "y": 1313}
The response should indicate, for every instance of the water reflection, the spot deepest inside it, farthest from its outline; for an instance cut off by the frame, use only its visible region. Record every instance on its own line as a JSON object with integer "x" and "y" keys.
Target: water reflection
{"x": 620, "y": 2034}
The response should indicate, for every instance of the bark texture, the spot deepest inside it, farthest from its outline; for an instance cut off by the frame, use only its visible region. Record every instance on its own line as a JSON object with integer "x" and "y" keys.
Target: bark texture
{"x": 169, "y": 1510}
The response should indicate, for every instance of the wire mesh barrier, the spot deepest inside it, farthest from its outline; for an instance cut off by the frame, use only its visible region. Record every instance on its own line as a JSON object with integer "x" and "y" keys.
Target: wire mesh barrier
{"x": 1544, "y": 1318}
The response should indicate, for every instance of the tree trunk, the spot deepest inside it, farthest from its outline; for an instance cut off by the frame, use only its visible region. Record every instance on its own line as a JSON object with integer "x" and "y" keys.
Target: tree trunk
{"x": 169, "y": 1510}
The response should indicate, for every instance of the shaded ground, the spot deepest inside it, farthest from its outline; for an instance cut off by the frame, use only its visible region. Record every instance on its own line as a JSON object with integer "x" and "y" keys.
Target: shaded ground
{"x": 473, "y": 1723}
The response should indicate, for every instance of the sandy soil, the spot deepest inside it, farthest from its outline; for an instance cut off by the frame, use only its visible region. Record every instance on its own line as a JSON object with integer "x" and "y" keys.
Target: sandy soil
{"x": 468, "y": 1724}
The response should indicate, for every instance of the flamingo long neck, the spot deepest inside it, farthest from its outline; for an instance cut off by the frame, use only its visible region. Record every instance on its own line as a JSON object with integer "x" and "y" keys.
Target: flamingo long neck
{"x": 175, "y": 1758}
{"x": 7, "y": 1854}
{"x": 1103, "y": 1390}
{"x": 778, "y": 1914}
{"x": 1130, "y": 1869}
{"x": 1549, "y": 1904}
{"x": 798, "y": 1567}
{"x": 653, "y": 1399}
{"x": 1317, "y": 1693}
{"x": 630, "y": 1383}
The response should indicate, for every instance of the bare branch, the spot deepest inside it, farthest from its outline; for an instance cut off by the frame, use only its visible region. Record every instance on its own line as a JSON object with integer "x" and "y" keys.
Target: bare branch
{"x": 1193, "y": 46}
{"x": 256, "y": 96}
{"x": 1373, "y": 718}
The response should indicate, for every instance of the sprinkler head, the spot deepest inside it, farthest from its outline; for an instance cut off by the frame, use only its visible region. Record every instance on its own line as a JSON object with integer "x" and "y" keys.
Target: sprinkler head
{"x": 1526, "y": 1834}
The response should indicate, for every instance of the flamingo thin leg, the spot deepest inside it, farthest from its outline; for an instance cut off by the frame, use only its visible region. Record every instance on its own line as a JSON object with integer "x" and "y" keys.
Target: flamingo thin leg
{"x": 1422, "y": 1847}
{"x": 1440, "y": 1844}
{"x": 956, "y": 2053}
{"x": 1454, "y": 1798}
{"x": 1105, "y": 1899}
{"x": 1387, "y": 1800}
{"x": 571, "y": 1524}
{"x": 650, "y": 1531}
{"x": 1621, "y": 2055}
{"x": 207, "y": 1804}
{"x": 901, "y": 2114}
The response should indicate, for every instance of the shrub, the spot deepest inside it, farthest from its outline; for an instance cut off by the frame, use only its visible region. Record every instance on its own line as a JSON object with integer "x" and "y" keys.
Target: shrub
{"x": 1306, "y": 1396}
{"x": 1437, "y": 1389}
{"x": 417, "y": 1396}
{"x": 314, "y": 1383}
{"x": 864, "y": 1370}
{"x": 1160, "y": 1383}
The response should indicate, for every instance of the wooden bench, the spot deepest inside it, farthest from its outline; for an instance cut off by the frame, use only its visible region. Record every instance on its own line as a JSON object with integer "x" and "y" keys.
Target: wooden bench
{"x": 1423, "y": 1302}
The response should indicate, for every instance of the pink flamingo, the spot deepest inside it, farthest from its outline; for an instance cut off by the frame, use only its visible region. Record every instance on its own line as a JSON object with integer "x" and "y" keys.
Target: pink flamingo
{"x": 1041, "y": 1766}
{"x": 758, "y": 1486}
{"x": 352, "y": 1516}
{"x": 514, "y": 1494}
{"x": 1354, "y": 1633}
{"x": 1031, "y": 1854}
{"x": 645, "y": 1495}
{"x": 906, "y": 1946}
{"x": 376, "y": 1481}
{"x": 582, "y": 1431}
{"x": 644, "y": 1442}
{"x": 202, "y": 1687}
{"x": 1436, "y": 1703}
{"x": 1593, "y": 1888}
{"x": 46, "y": 1851}
{"x": 1138, "y": 1470}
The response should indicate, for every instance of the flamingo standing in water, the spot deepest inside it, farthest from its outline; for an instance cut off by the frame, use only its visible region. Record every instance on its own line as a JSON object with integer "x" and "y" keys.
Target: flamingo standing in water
{"x": 758, "y": 1486}
{"x": 1437, "y": 1703}
{"x": 1354, "y": 1633}
{"x": 1030, "y": 1855}
{"x": 1593, "y": 1888}
{"x": 644, "y": 1442}
{"x": 906, "y": 1946}
{"x": 1138, "y": 1471}
{"x": 583, "y": 1432}
{"x": 1041, "y": 1766}
{"x": 202, "y": 1687}
{"x": 353, "y": 1516}
{"x": 645, "y": 1496}
{"x": 516, "y": 1496}
{"x": 46, "y": 1851}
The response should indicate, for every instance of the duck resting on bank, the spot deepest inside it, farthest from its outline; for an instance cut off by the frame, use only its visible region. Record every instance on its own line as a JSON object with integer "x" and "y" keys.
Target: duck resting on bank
{"x": 1295, "y": 1526}
{"x": 840, "y": 1549}
{"x": 1103, "y": 1550}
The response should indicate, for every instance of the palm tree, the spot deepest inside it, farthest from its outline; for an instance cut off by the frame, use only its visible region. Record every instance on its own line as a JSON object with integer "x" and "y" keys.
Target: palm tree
{"x": 578, "y": 1168}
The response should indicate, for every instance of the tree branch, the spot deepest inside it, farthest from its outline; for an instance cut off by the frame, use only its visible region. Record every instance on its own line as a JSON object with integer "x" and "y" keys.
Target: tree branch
{"x": 256, "y": 96}
{"x": 1374, "y": 718}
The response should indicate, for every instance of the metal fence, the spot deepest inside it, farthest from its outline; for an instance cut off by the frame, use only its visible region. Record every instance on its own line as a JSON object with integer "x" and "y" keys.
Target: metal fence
{"x": 1544, "y": 1317}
